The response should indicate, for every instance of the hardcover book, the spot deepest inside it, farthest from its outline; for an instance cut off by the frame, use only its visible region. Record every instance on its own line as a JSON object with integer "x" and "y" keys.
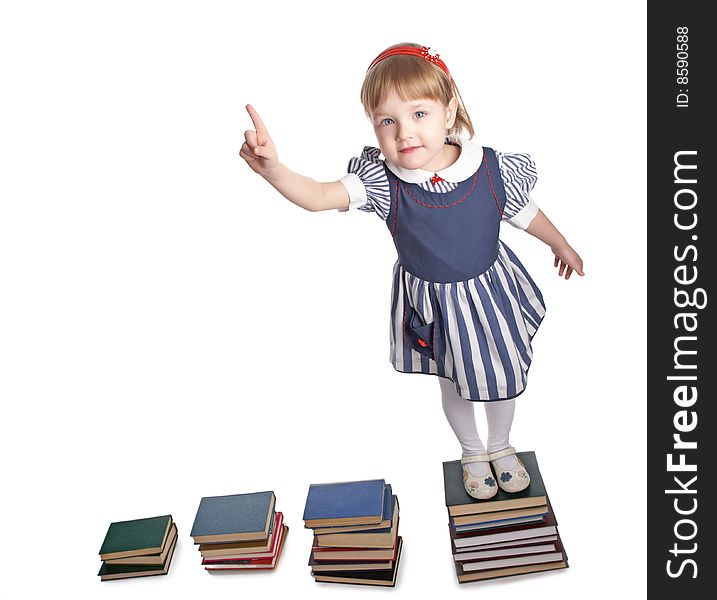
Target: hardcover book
{"x": 460, "y": 503}
{"x": 255, "y": 565}
{"x": 147, "y": 559}
{"x": 501, "y": 515}
{"x": 353, "y": 554}
{"x": 239, "y": 558}
{"x": 384, "y": 525}
{"x": 138, "y": 537}
{"x": 350, "y": 565}
{"x": 466, "y": 576}
{"x": 498, "y": 524}
{"x": 504, "y": 534}
{"x": 109, "y": 572}
{"x": 382, "y": 538}
{"x": 508, "y": 551}
{"x": 348, "y": 503}
{"x": 235, "y": 518}
{"x": 377, "y": 577}
{"x": 245, "y": 550}
{"x": 531, "y": 559}
{"x": 537, "y": 540}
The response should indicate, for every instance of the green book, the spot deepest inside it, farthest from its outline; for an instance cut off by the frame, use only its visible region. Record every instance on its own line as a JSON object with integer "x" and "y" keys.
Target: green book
{"x": 108, "y": 572}
{"x": 146, "y": 559}
{"x": 137, "y": 537}
{"x": 460, "y": 503}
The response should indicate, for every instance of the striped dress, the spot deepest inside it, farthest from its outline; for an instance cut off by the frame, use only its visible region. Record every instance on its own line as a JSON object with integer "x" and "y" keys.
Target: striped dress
{"x": 463, "y": 307}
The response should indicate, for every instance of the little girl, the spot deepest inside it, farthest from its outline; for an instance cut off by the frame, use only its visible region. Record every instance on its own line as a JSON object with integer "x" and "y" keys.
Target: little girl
{"x": 463, "y": 307}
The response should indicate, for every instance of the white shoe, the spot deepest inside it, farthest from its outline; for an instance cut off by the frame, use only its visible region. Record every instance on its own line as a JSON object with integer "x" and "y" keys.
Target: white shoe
{"x": 480, "y": 487}
{"x": 510, "y": 480}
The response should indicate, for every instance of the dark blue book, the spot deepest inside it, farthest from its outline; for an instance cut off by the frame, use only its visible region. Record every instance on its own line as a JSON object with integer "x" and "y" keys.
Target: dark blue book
{"x": 236, "y": 518}
{"x": 384, "y": 526}
{"x": 348, "y": 503}
{"x": 536, "y": 519}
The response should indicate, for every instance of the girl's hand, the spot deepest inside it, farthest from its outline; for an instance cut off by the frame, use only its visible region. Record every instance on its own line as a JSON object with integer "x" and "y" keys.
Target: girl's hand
{"x": 258, "y": 150}
{"x": 567, "y": 261}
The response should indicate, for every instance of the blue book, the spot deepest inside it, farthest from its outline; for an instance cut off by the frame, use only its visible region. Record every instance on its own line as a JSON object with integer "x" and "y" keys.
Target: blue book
{"x": 385, "y": 524}
{"x": 236, "y": 518}
{"x": 348, "y": 503}
{"x": 502, "y": 523}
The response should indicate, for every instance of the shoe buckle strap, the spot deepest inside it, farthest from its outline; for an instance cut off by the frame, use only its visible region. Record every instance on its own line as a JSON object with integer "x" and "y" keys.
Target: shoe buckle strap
{"x": 474, "y": 458}
{"x": 501, "y": 453}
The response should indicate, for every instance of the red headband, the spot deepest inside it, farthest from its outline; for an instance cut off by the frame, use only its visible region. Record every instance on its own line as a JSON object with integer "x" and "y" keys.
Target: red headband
{"x": 422, "y": 52}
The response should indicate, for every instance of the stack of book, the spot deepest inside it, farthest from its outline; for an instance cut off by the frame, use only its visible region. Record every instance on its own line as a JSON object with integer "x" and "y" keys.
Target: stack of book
{"x": 241, "y": 532}
{"x": 355, "y": 532}
{"x": 510, "y": 534}
{"x": 138, "y": 548}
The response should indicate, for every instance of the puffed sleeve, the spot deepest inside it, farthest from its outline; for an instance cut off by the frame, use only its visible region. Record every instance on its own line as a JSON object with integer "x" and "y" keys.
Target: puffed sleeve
{"x": 519, "y": 176}
{"x": 367, "y": 183}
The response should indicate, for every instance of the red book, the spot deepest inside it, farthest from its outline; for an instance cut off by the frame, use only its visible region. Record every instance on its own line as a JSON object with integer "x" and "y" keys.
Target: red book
{"x": 257, "y": 565}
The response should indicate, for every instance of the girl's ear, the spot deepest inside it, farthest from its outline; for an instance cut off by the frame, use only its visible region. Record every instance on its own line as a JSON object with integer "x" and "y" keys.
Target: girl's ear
{"x": 451, "y": 112}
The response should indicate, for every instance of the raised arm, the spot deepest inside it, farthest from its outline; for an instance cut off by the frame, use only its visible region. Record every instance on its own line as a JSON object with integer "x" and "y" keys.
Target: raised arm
{"x": 566, "y": 259}
{"x": 259, "y": 152}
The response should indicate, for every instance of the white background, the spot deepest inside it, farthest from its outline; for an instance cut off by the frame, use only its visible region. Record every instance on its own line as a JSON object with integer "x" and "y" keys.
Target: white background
{"x": 172, "y": 328}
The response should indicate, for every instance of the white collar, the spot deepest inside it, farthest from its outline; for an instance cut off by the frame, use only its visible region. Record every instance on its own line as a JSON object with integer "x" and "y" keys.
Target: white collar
{"x": 467, "y": 164}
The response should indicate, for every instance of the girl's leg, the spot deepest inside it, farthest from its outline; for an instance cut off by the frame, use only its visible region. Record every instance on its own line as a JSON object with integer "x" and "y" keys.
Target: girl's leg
{"x": 499, "y": 414}
{"x": 461, "y": 418}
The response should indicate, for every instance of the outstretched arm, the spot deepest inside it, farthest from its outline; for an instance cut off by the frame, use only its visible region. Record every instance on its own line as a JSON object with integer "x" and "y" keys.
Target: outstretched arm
{"x": 566, "y": 259}
{"x": 260, "y": 154}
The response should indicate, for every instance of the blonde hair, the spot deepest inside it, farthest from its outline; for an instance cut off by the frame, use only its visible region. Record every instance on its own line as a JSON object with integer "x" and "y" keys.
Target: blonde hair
{"x": 413, "y": 77}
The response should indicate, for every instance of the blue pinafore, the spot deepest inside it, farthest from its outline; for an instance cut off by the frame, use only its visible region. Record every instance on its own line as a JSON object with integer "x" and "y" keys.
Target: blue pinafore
{"x": 463, "y": 306}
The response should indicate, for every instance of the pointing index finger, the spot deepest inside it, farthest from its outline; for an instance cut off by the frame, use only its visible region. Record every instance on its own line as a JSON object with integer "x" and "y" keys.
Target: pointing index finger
{"x": 261, "y": 132}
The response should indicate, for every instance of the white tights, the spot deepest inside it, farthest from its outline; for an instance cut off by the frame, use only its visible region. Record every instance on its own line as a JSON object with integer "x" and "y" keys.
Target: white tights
{"x": 461, "y": 418}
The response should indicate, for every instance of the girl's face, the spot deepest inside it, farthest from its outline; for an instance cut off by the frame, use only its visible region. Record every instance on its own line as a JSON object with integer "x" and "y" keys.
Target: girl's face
{"x": 412, "y": 133}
